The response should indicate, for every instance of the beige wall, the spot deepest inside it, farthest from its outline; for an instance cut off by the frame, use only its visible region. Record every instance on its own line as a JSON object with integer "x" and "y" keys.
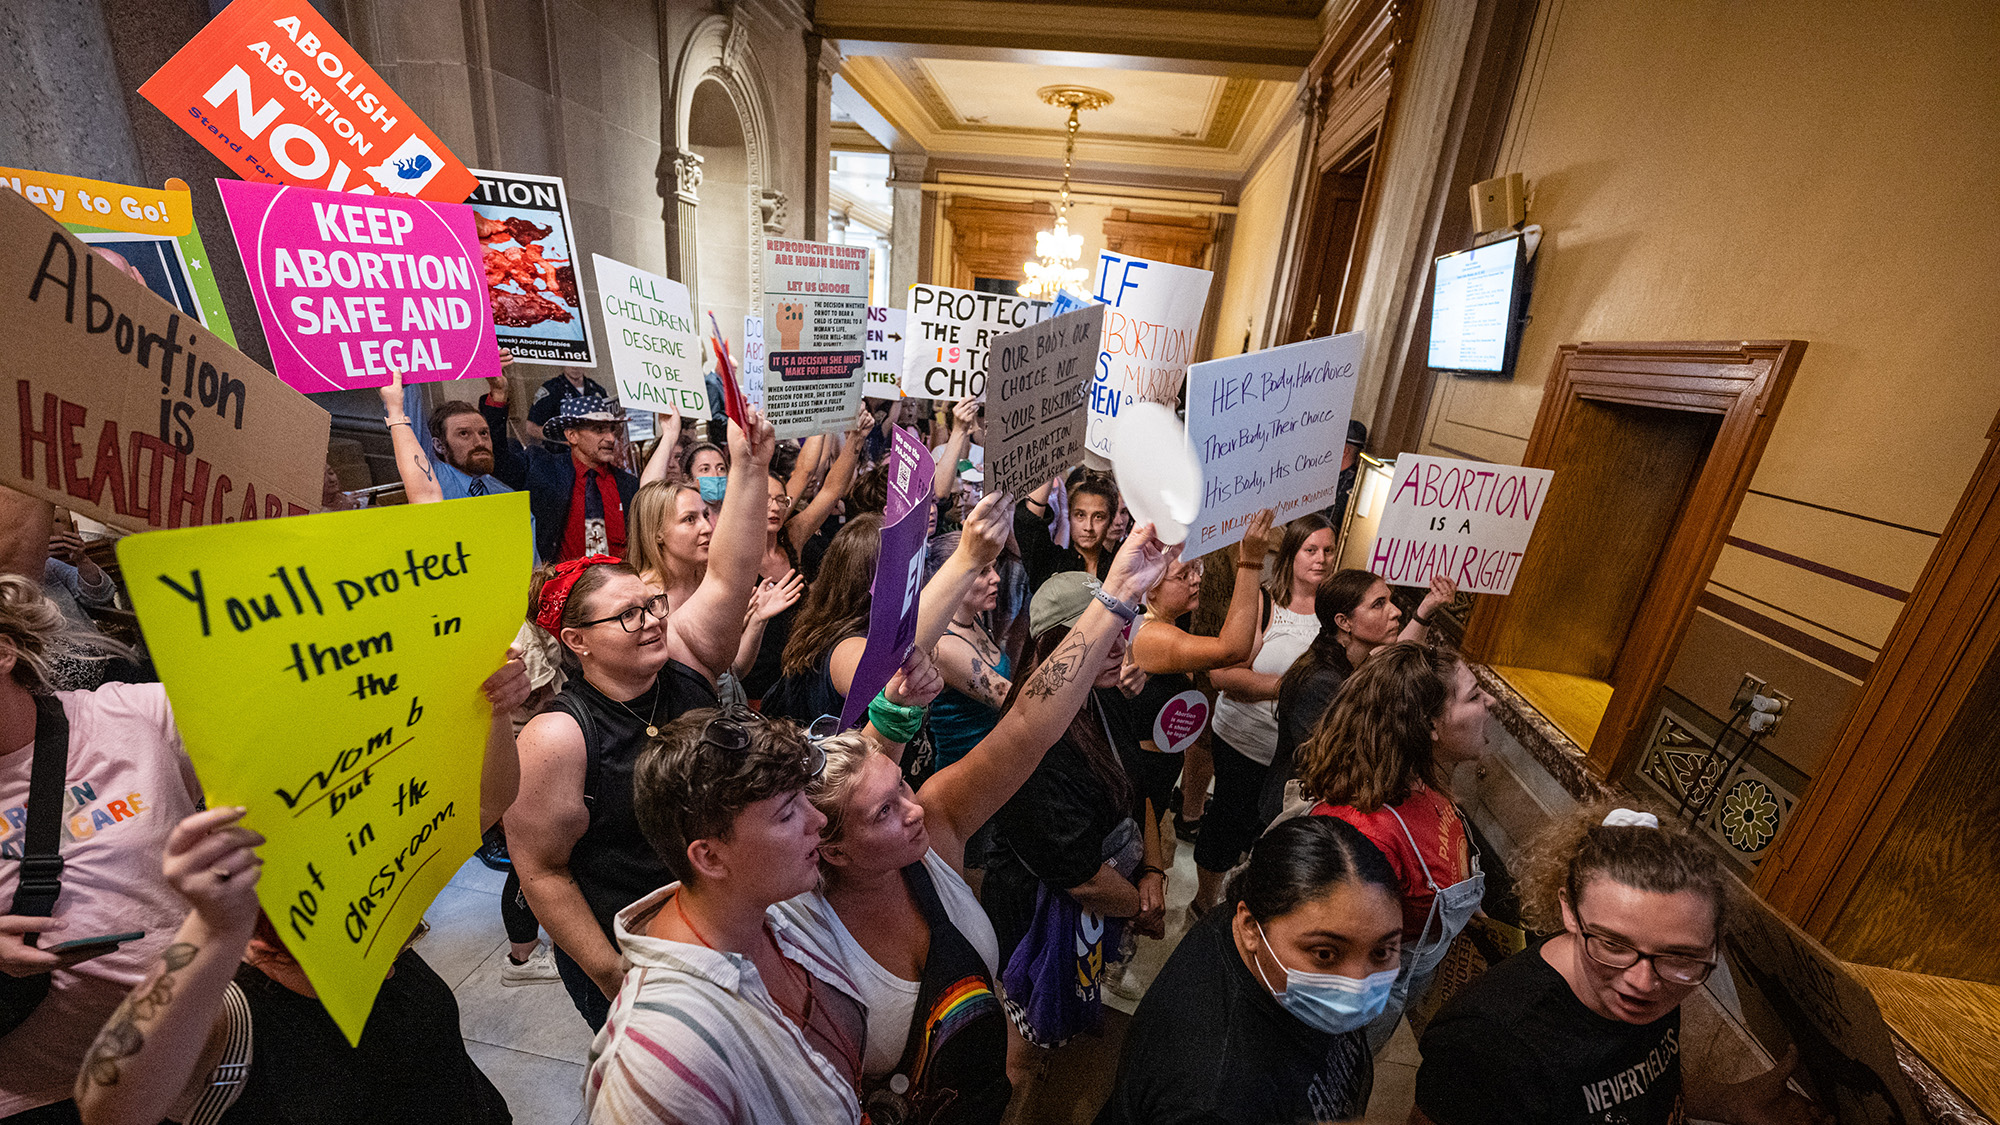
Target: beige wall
{"x": 1256, "y": 248}
{"x": 1792, "y": 169}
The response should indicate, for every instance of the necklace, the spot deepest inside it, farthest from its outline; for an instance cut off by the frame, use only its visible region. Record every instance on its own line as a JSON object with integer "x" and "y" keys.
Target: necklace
{"x": 651, "y": 721}
{"x": 802, "y": 1018}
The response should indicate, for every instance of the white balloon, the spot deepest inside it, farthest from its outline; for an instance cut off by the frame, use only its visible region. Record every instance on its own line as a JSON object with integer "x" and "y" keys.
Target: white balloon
{"x": 1158, "y": 474}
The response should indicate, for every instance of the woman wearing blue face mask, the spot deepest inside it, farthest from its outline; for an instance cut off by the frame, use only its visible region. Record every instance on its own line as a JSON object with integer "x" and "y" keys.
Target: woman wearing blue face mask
{"x": 1259, "y": 1015}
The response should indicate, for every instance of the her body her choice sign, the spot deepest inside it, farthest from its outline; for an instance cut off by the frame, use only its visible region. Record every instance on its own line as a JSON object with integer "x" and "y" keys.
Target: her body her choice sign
{"x": 1269, "y": 428}
{"x": 815, "y": 328}
{"x": 1466, "y": 520}
{"x": 650, "y": 332}
{"x": 351, "y": 290}
{"x": 325, "y": 674}
{"x": 1149, "y": 336}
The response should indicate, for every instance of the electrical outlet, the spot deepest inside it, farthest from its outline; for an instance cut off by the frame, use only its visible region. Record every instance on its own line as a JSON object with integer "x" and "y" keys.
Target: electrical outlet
{"x": 1750, "y": 688}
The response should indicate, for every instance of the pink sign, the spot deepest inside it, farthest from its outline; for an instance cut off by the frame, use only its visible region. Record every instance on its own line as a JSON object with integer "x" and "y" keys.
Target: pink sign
{"x": 352, "y": 288}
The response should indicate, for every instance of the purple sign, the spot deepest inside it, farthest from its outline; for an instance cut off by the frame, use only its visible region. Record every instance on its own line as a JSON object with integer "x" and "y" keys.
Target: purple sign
{"x": 899, "y": 575}
{"x": 352, "y": 288}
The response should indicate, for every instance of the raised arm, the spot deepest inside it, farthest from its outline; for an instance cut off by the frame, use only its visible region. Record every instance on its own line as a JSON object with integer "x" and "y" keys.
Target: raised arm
{"x": 944, "y": 476}
{"x": 979, "y": 544}
{"x": 413, "y": 465}
{"x": 966, "y": 794}
{"x": 500, "y": 769}
{"x": 660, "y": 465}
{"x": 542, "y": 831}
{"x": 768, "y": 600}
{"x": 704, "y": 631}
{"x": 838, "y": 480}
{"x": 1442, "y": 593}
{"x": 1162, "y": 646}
{"x": 966, "y": 671}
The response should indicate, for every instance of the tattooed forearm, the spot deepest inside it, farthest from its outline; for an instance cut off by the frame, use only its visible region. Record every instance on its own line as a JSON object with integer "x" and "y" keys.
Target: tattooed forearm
{"x": 121, "y": 1037}
{"x": 1062, "y": 666}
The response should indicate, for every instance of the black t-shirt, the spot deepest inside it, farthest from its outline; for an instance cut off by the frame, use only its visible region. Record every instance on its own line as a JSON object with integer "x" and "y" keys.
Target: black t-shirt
{"x": 1301, "y": 706}
{"x": 1210, "y": 1046}
{"x": 1518, "y": 1046}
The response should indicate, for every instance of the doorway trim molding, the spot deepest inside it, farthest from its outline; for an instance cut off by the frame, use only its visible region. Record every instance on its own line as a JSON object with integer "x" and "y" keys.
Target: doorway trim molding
{"x": 1742, "y": 382}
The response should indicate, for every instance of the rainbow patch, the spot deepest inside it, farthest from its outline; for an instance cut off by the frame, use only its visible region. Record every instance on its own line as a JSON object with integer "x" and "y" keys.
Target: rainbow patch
{"x": 957, "y": 1006}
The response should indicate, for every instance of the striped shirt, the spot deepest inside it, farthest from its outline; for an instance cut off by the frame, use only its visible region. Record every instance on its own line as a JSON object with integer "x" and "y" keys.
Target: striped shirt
{"x": 694, "y": 1038}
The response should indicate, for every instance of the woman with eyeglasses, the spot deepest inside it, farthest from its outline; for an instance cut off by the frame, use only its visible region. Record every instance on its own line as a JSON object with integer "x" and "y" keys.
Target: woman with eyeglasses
{"x": 633, "y": 666}
{"x": 1585, "y": 1026}
{"x": 1382, "y": 760}
{"x": 1258, "y": 1016}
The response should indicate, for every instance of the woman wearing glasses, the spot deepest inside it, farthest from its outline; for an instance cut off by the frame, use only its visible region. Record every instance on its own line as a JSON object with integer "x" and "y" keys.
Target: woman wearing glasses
{"x": 1585, "y": 1026}
{"x": 632, "y": 667}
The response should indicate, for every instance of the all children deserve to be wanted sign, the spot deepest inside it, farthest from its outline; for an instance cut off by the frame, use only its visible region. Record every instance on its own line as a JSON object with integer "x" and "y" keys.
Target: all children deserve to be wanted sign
{"x": 325, "y": 674}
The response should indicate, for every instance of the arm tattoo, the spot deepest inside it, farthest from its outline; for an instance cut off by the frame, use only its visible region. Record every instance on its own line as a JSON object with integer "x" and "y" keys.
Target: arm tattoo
{"x": 1062, "y": 666}
{"x": 121, "y": 1037}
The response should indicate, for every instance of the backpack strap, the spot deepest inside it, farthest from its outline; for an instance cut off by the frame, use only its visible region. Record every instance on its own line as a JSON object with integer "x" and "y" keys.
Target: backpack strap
{"x": 232, "y": 1073}
{"x": 41, "y": 852}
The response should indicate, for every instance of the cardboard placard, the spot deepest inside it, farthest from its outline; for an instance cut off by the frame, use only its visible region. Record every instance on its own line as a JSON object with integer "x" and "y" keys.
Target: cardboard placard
{"x": 126, "y": 410}
{"x": 816, "y": 320}
{"x": 899, "y": 574}
{"x": 753, "y": 360}
{"x": 1467, "y": 520}
{"x": 882, "y": 369}
{"x": 275, "y": 93}
{"x": 1035, "y": 399}
{"x": 325, "y": 674}
{"x": 1149, "y": 336}
{"x": 951, "y": 330}
{"x": 351, "y": 290}
{"x": 529, "y": 250}
{"x": 649, "y": 331}
{"x": 1269, "y": 428}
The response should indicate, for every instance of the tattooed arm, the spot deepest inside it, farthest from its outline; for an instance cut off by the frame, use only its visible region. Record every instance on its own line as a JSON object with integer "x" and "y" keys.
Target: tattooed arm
{"x": 147, "y": 1059}
{"x": 968, "y": 668}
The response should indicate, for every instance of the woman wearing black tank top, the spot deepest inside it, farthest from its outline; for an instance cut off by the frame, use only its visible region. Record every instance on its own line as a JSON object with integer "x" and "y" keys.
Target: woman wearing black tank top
{"x": 633, "y": 667}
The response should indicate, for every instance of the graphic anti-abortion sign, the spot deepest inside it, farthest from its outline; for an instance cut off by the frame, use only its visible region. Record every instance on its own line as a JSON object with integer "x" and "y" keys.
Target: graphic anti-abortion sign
{"x": 275, "y": 93}
{"x": 882, "y": 369}
{"x": 1466, "y": 520}
{"x": 1149, "y": 337}
{"x": 1269, "y": 428}
{"x": 351, "y": 290}
{"x": 950, "y": 332}
{"x": 649, "y": 331}
{"x": 899, "y": 574}
{"x": 815, "y": 325}
{"x": 147, "y": 232}
{"x": 128, "y": 410}
{"x": 1034, "y": 399}
{"x": 530, "y": 257}
{"x": 325, "y": 674}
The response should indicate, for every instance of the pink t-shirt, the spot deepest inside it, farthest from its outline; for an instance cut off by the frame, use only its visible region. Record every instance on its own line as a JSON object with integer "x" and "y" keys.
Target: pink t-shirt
{"x": 128, "y": 783}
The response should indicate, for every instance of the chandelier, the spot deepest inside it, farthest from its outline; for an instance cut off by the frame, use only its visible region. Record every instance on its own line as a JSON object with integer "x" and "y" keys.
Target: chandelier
{"x": 1054, "y": 270}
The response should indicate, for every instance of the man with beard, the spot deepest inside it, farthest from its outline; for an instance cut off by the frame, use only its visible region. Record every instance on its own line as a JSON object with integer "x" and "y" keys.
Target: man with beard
{"x": 467, "y": 463}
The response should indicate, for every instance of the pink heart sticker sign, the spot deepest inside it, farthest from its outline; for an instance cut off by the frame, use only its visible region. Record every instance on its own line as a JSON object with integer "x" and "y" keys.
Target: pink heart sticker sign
{"x": 1180, "y": 722}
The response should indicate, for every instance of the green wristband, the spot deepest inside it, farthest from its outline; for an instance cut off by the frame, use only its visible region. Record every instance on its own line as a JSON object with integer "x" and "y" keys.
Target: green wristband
{"x": 896, "y": 722}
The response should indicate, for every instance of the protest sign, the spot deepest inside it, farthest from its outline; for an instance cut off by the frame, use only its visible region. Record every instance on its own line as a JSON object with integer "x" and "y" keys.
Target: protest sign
{"x": 351, "y": 290}
{"x": 882, "y": 369}
{"x": 899, "y": 574}
{"x": 951, "y": 330}
{"x": 753, "y": 360}
{"x": 1467, "y": 520}
{"x": 1149, "y": 336}
{"x": 816, "y": 310}
{"x": 129, "y": 412}
{"x": 325, "y": 674}
{"x": 1034, "y": 397}
{"x": 649, "y": 332}
{"x": 1269, "y": 428}
{"x": 530, "y": 257}
{"x": 275, "y": 93}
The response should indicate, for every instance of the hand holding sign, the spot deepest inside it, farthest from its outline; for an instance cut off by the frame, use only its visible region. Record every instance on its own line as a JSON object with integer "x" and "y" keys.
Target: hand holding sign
{"x": 212, "y": 862}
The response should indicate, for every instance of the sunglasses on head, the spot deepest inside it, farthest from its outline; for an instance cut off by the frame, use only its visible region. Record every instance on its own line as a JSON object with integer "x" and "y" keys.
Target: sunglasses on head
{"x": 729, "y": 732}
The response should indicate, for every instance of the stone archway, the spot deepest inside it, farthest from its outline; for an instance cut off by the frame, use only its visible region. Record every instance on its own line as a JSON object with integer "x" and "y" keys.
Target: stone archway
{"x": 726, "y": 220}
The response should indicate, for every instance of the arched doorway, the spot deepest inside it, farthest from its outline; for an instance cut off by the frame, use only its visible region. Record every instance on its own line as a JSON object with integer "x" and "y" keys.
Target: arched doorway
{"x": 727, "y": 217}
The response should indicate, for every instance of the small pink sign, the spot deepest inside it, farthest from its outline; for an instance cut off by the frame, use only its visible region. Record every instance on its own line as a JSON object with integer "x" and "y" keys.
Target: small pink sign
{"x": 353, "y": 287}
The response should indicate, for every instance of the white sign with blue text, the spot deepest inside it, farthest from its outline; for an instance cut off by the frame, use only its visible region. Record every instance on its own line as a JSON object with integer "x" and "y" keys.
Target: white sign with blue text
{"x": 1149, "y": 336}
{"x": 1269, "y": 428}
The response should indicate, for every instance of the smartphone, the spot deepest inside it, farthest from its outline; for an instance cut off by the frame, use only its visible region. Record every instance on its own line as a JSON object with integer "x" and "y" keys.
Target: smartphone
{"x": 95, "y": 946}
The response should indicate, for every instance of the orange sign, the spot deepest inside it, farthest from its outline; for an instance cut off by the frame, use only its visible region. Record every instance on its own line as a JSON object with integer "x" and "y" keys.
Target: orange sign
{"x": 271, "y": 89}
{"x": 95, "y": 203}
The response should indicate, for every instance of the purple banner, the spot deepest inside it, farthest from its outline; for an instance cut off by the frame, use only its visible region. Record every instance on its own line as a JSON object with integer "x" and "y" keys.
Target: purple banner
{"x": 899, "y": 575}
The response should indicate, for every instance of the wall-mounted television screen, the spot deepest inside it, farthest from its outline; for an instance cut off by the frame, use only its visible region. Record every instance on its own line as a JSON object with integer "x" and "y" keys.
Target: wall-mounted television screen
{"x": 1476, "y": 298}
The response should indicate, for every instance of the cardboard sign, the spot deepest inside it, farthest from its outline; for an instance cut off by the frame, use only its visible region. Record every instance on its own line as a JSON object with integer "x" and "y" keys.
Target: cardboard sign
{"x": 1467, "y": 520}
{"x": 753, "y": 360}
{"x": 882, "y": 369}
{"x": 126, "y": 410}
{"x": 1035, "y": 404}
{"x": 899, "y": 574}
{"x": 1149, "y": 336}
{"x": 1269, "y": 428}
{"x": 649, "y": 331}
{"x": 351, "y": 290}
{"x": 325, "y": 674}
{"x": 816, "y": 313}
{"x": 530, "y": 257}
{"x": 276, "y": 94}
{"x": 951, "y": 330}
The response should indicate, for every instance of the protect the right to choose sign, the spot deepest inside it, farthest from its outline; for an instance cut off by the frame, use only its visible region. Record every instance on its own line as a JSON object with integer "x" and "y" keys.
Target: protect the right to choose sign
{"x": 1467, "y": 520}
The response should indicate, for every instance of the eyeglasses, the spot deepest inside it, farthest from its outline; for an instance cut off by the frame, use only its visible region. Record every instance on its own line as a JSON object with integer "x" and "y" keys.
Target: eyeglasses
{"x": 1675, "y": 967}
{"x": 632, "y": 618}
{"x": 729, "y": 732}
